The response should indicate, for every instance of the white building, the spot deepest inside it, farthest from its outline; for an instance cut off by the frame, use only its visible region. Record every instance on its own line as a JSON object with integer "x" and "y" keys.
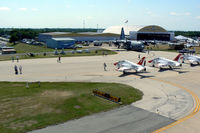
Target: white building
{"x": 151, "y": 32}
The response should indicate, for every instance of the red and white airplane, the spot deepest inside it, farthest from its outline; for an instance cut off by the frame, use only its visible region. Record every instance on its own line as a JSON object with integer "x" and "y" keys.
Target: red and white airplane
{"x": 161, "y": 62}
{"x": 192, "y": 59}
{"x": 125, "y": 65}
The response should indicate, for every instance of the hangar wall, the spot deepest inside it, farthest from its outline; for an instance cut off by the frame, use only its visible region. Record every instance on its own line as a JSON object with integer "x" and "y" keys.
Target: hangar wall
{"x": 151, "y": 32}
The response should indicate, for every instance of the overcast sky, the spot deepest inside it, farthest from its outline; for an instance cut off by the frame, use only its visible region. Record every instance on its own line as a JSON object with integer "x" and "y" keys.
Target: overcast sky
{"x": 170, "y": 14}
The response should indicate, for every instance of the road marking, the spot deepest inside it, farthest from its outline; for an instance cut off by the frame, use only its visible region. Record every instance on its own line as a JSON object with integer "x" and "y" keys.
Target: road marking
{"x": 196, "y": 110}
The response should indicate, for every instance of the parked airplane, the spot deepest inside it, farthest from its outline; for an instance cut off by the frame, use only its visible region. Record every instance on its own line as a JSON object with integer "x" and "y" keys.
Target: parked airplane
{"x": 192, "y": 59}
{"x": 125, "y": 65}
{"x": 128, "y": 44}
{"x": 161, "y": 62}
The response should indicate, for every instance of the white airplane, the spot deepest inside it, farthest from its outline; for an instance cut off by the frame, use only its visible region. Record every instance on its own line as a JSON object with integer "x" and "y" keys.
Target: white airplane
{"x": 192, "y": 59}
{"x": 125, "y": 65}
{"x": 161, "y": 62}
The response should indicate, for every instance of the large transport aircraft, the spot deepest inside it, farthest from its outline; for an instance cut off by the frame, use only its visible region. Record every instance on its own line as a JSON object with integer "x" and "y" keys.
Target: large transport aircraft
{"x": 192, "y": 59}
{"x": 162, "y": 62}
{"x": 128, "y": 44}
{"x": 125, "y": 65}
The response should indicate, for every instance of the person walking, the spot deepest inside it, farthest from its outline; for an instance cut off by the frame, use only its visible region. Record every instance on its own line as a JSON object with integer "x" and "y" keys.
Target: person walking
{"x": 16, "y": 71}
{"x": 59, "y": 59}
{"x": 17, "y": 57}
{"x": 104, "y": 65}
{"x": 139, "y": 56}
{"x": 103, "y": 53}
{"x": 13, "y": 59}
{"x": 106, "y": 53}
{"x": 20, "y": 69}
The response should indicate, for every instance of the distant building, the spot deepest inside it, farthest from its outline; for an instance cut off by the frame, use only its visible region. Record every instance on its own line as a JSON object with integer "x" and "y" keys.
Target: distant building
{"x": 151, "y": 32}
{"x": 7, "y": 50}
{"x": 79, "y": 37}
{"x": 60, "y": 43}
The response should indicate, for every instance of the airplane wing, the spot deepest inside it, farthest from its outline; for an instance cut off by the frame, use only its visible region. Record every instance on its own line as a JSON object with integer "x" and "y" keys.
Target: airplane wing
{"x": 121, "y": 69}
{"x": 140, "y": 69}
{"x": 162, "y": 64}
{"x": 192, "y": 61}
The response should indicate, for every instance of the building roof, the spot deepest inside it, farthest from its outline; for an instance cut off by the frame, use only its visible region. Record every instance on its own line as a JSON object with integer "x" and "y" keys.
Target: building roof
{"x": 55, "y": 33}
{"x": 63, "y": 39}
{"x": 127, "y": 29}
{"x": 5, "y": 47}
{"x": 180, "y": 37}
{"x": 80, "y": 34}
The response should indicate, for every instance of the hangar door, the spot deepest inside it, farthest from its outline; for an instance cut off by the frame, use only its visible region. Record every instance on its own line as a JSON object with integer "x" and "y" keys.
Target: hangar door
{"x": 152, "y": 36}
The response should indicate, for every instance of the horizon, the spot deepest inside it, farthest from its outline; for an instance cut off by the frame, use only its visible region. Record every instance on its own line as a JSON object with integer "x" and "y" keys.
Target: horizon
{"x": 94, "y": 29}
{"x": 173, "y": 15}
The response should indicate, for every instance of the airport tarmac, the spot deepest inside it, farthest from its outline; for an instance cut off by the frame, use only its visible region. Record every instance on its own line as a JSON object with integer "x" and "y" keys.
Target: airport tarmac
{"x": 164, "y": 97}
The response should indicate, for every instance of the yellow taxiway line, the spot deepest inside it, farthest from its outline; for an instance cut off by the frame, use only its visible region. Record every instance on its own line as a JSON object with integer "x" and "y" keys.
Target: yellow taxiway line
{"x": 196, "y": 109}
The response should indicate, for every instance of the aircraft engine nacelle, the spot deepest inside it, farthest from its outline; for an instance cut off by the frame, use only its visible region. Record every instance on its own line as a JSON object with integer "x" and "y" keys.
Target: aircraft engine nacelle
{"x": 134, "y": 45}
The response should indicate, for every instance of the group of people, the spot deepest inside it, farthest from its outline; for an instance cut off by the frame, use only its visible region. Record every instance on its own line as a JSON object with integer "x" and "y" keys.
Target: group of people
{"x": 16, "y": 69}
{"x": 17, "y": 58}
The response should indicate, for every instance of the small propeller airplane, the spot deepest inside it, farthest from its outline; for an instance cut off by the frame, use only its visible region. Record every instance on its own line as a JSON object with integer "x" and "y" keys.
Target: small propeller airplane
{"x": 192, "y": 59}
{"x": 162, "y": 62}
{"x": 125, "y": 65}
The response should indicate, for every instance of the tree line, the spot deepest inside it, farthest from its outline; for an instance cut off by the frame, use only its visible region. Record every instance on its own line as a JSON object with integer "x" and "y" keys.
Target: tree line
{"x": 17, "y": 34}
{"x": 190, "y": 34}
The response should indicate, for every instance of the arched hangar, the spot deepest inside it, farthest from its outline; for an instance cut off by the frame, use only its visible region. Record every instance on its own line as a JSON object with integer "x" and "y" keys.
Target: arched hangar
{"x": 151, "y": 32}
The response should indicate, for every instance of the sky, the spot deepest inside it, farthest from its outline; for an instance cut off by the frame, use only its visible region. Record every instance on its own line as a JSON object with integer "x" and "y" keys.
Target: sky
{"x": 170, "y": 14}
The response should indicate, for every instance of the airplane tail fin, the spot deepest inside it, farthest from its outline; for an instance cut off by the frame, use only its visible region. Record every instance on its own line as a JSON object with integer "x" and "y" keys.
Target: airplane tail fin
{"x": 150, "y": 61}
{"x": 177, "y": 57}
{"x": 122, "y": 35}
{"x": 141, "y": 62}
{"x": 115, "y": 63}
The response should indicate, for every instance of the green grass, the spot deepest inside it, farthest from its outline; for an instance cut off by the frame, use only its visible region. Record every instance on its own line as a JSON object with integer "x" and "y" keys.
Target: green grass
{"x": 160, "y": 47}
{"x": 92, "y": 53}
{"x": 167, "y": 48}
{"x": 24, "y": 109}
{"x": 26, "y": 48}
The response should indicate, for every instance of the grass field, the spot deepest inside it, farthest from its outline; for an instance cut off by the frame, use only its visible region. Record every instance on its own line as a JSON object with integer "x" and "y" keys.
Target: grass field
{"x": 24, "y": 109}
{"x": 26, "y": 48}
{"x": 160, "y": 47}
{"x": 166, "y": 47}
{"x": 92, "y": 53}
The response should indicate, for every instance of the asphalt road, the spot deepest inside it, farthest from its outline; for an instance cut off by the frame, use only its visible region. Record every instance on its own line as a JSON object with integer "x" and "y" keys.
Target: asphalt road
{"x": 127, "y": 119}
{"x": 163, "y": 102}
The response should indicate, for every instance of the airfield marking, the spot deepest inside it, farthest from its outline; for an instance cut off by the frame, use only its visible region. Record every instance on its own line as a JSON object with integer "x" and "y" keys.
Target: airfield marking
{"x": 196, "y": 110}
{"x": 195, "y": 97}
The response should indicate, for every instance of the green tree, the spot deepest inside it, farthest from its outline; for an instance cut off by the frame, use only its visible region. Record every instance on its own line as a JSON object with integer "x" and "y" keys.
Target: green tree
{"x": 14, "y": 38}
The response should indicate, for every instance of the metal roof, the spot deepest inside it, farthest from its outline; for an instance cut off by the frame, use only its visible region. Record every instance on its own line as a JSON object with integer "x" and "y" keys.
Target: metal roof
{"x": 55, "y": 33}
{"x": 63, "y": 39}
{"x": 135, "y": 28}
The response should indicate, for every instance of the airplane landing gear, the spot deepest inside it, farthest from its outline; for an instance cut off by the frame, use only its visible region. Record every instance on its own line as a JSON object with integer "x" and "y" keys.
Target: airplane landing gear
{"x": 124, "y": 72}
